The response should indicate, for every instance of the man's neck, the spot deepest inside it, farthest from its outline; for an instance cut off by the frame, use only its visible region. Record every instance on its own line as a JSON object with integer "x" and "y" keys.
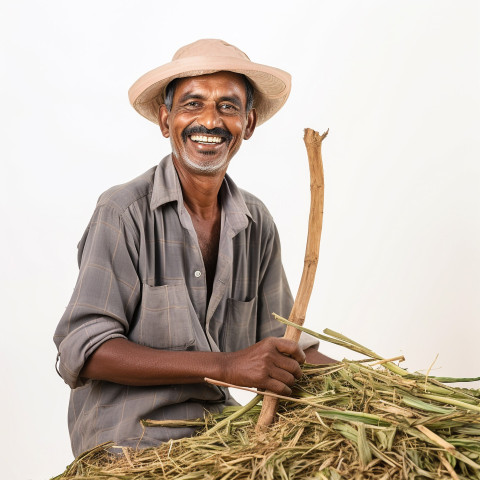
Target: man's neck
{"x": 200, "y": 192}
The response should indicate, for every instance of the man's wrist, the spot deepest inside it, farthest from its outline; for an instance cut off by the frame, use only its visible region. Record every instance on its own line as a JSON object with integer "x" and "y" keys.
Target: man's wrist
{"x": 225, "y": 366}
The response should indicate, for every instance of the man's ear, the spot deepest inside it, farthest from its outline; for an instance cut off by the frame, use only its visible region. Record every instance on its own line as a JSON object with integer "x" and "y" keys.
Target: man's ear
{"x": 163, "y": 123}
{"x": 251, "y": 124}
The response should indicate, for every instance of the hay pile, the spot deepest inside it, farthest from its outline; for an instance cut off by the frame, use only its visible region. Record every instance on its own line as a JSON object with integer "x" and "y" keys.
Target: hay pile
{"x": 347, "y": 421}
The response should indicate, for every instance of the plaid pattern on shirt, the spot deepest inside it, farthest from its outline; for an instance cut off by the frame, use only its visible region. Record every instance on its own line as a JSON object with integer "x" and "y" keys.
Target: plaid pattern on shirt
{"x": 142, "y": 277}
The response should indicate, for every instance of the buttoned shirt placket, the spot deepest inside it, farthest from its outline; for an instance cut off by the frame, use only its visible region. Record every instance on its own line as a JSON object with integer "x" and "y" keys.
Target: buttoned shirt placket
{"x": 233, "y": 222}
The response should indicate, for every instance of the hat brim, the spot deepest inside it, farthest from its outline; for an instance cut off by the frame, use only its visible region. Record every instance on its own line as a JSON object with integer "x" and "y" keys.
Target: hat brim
{"x": 272, "y": 85}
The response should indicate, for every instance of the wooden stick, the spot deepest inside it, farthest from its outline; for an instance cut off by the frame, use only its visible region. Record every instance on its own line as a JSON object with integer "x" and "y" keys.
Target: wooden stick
{"x": 313, "y": 143}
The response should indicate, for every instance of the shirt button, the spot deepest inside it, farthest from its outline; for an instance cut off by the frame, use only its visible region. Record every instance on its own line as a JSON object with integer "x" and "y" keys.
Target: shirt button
{"x": 198, "y": 273}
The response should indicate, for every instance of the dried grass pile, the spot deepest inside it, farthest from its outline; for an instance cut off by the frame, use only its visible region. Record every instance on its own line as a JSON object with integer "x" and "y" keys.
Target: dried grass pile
{"x": 353, "y": 420}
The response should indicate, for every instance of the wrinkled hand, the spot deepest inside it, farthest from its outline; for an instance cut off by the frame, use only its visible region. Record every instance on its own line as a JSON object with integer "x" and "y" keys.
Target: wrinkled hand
{"x": 271, "y": 364}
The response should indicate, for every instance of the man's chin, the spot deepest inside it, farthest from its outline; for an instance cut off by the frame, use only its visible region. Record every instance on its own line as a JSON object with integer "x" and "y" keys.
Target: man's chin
{"x": 206, "y": 167}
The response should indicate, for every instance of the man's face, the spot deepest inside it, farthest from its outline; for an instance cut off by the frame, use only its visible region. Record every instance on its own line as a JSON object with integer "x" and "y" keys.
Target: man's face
{"x": 207, "y": 122}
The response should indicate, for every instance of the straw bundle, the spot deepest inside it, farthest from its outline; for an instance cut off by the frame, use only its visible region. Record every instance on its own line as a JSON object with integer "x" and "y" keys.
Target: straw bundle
{"x": 352, "y": 420}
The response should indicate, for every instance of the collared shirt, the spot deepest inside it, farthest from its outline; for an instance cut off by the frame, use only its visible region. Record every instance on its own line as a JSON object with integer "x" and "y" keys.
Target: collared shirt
{"x": 142, "y": 277}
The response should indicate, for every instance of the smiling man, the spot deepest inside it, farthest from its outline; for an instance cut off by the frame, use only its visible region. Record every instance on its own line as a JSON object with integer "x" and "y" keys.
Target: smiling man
{"x": 212, "y": 118}
{"x": 180, "y": 269}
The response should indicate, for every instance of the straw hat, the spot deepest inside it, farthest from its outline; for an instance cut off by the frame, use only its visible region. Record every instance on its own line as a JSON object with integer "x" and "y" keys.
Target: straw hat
{"x": 271, "y": 85}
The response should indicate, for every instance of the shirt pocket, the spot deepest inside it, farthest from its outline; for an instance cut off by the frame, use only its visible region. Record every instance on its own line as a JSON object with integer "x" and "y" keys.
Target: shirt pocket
{"x": 240, "y": 330}
{"x": 165, "y": 321}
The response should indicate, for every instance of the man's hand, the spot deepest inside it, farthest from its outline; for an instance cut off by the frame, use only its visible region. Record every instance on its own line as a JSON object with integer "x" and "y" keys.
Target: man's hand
{"x": 271, "y": 364}
{"x": 312, "y": 355}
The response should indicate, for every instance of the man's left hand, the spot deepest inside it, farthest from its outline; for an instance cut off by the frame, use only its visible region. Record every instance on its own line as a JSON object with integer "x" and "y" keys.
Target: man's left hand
{"x": 312, "y": 355}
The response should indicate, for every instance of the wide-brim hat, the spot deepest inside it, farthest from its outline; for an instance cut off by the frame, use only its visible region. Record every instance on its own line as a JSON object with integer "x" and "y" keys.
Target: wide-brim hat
{"x": 271, "y": 85}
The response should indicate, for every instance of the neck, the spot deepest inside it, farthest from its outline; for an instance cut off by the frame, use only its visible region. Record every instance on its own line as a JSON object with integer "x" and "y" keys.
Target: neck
{"x": 200, "y": 192}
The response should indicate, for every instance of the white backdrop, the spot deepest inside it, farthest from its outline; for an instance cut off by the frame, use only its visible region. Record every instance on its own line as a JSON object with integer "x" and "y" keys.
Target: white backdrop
{"x": 397, "y": 83}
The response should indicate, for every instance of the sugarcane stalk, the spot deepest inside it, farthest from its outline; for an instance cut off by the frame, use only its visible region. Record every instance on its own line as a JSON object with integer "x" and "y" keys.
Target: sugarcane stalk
{"x": 313, "y": 143}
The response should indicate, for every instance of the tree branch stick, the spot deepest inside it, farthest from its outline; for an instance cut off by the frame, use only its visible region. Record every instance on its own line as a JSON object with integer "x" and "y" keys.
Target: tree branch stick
{"x": 313, "y": 143}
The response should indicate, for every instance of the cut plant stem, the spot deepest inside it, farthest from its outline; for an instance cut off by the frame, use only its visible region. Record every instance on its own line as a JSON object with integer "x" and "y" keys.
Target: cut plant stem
{"x": 364, "y": 421}
{"x": 233, "y": 416}
{"x": 313, "y": 143}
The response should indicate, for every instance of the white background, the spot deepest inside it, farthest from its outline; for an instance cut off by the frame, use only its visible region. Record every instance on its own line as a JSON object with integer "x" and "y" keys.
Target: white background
{"x": 397, "y": 83}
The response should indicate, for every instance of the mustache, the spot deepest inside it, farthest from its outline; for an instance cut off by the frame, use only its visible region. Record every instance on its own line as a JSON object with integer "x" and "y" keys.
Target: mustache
{"x": 200, "y": 129}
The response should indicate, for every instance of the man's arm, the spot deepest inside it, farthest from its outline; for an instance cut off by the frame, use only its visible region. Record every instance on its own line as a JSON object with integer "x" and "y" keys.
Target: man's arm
{"x": 272, "y": 364}
{"x": 312, "y": 355}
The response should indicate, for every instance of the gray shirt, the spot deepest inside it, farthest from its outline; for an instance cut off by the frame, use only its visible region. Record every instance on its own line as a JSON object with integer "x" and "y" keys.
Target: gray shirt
{"x": 142, "y": 277}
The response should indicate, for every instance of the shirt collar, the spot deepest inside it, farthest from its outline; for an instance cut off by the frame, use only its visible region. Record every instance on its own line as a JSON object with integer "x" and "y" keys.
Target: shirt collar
{"x": 167, "y": 188}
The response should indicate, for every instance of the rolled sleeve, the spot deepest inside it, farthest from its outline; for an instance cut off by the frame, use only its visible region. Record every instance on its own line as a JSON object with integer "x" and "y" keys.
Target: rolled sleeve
{"x": 105, "y": 296}
{"x": 77, "y": 346}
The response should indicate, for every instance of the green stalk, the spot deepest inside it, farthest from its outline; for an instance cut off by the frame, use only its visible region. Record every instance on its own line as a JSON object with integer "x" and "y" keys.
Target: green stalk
{"x": 233, "y": 416}
{"x": 363, "y": 351}
{"x": 391, "y": 366}
{"x": 451, "y": 401}
{"x": 350, "y": 416}
{"x": 445, "y": 379}
{"x": 428, "y": 407}
{"x": 172, "y": 423}
{"x": 342, "y": 341}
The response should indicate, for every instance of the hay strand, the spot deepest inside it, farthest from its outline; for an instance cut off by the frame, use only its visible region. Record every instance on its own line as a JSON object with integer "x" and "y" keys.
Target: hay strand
{"x": 348, "y": 420}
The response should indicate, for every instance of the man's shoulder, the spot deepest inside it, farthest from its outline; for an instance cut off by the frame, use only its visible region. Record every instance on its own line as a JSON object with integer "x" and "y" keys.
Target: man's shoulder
{"x": 121, "y": 197}
{"x": 256, "y": 207}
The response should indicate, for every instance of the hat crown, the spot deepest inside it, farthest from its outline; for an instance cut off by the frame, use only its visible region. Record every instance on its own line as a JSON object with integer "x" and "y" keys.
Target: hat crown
{"x": 209, "y": 48}
{"x": 204, "y": 57}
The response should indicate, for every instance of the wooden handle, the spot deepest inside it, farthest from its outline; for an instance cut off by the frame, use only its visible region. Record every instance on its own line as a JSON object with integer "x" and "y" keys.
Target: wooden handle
{"x": 313, "y": 143}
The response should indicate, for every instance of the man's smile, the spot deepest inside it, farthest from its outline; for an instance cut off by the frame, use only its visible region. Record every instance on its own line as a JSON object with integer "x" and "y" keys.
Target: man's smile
{"x": 205, "y": 145}
{"x": 207, "y": 121}
{"x": 205, "y": 139}
{"x": 203, "y": 136}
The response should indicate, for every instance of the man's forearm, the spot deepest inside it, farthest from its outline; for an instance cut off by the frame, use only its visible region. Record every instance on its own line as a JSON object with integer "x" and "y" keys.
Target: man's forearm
{"x": 125, "y": 362}
{"x": 272, "y": 364}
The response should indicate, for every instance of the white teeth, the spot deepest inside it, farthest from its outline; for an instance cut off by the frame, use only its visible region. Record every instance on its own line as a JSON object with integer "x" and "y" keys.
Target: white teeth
{"x": 204, "y": 139}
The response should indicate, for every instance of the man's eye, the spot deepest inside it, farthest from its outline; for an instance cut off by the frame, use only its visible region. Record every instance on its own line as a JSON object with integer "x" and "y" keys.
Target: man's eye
{"x": 193, "y": 104}
{"x": 228, "y": 107}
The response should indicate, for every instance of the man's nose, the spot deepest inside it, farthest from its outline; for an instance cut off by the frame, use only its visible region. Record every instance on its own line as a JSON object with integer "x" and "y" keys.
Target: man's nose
{"x": 209, "y": 116}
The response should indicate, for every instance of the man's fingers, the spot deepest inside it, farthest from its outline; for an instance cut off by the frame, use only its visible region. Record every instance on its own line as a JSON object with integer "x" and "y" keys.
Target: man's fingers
{"x": 291, "y": 348}
{"x": 278, "y": 387}
{"x": 290, "y": 365}
{"x": 282, "y": 376}
{"x": 272, "y": 363}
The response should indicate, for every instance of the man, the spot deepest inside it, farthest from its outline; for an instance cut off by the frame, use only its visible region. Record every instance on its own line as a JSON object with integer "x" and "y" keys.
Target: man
{"x": 180, "y": 270}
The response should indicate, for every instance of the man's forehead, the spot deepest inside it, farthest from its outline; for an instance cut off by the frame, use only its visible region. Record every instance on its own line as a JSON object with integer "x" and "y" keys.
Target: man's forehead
{"x": 213, "y": 80}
